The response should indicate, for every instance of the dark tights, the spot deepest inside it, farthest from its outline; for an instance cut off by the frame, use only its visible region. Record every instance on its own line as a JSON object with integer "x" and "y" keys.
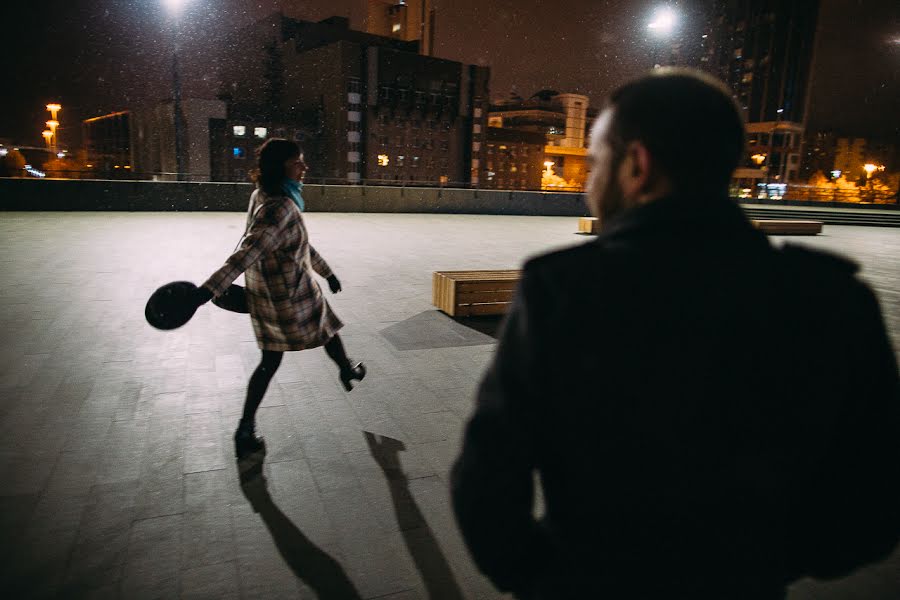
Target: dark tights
{"x": 262, "y": 376}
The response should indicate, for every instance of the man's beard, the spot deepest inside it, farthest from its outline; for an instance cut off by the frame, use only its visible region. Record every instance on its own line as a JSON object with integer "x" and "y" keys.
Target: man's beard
{"x": 612, "y": 201}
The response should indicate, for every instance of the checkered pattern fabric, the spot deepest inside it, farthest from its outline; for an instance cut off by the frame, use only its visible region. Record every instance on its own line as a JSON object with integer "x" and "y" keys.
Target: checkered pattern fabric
{"x": 286, "y": 304}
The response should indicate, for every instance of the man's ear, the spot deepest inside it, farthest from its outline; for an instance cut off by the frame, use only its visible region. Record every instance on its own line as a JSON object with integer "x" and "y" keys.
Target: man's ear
{"x": 640, "y": 178}
{"x": 635, "y": 172}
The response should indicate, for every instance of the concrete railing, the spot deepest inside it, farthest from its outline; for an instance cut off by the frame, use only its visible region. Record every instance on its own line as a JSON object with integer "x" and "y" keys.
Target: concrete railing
{"x": 116, "y": 195}
{"x": 108, "y": 195}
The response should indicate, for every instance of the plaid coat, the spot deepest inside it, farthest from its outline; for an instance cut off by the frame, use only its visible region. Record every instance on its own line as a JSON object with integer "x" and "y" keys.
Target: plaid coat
{"x": 287, "y": 307}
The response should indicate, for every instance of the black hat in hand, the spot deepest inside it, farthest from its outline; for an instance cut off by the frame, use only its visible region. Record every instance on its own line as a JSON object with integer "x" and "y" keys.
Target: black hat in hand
{"x": 172, "y": 305}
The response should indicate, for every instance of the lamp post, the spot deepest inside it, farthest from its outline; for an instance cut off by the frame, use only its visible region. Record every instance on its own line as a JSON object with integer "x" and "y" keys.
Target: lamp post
{"x": 174, "y": 7}
{"x": 771, "y": 153}
{"x": 53, "y": 123}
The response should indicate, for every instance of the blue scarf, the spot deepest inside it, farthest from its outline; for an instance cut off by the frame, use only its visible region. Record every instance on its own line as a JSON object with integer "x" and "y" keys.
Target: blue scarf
{"x": 292, "y": 188}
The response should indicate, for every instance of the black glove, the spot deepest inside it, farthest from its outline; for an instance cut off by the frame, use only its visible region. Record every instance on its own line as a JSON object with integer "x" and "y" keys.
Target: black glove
{"x": 334, "y": 284}
{"x": 202, "y": 296}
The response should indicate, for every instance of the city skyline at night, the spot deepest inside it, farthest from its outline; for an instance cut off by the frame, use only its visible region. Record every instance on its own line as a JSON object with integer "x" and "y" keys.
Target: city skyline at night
{"x": 103, "y": 56}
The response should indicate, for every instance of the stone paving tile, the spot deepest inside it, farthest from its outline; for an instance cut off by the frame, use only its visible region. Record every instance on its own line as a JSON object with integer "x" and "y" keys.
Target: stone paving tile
{"x": 153, "y": 558}
{"x": 117, "y": 457}
{"x": 212, "y": 582}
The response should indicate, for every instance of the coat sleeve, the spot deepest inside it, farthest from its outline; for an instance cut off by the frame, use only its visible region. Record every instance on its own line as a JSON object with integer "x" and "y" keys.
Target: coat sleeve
{"x": 492, "y": 481}
{"x": 852, "y": 517}
{"x": 263, "y": 236}
{"x": 318, "y": 263}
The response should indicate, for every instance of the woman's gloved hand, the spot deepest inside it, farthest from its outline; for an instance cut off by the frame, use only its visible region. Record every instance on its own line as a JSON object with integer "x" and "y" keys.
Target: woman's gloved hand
{"x": 334, "y": 284}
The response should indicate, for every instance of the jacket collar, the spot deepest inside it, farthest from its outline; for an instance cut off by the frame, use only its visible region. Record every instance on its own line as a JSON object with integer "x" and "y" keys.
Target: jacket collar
{"x": 692, "y": 219}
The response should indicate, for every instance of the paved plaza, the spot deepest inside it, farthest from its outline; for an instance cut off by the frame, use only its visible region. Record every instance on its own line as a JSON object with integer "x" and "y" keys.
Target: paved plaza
{"x": 115, "y": 439}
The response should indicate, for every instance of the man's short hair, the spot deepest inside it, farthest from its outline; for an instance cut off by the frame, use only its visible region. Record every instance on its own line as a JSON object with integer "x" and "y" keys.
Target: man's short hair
{"x": 688, "y": 122}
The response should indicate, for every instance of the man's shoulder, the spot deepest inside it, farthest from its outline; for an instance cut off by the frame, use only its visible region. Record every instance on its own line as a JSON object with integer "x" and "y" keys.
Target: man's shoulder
{"x": 818, "y": 261}
{"x": 565, "y": 259}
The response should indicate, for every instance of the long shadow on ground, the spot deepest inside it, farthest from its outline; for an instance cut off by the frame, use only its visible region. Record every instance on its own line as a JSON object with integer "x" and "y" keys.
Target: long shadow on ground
{"x": 308, "y": 562}
{"x": 417, "y": 534}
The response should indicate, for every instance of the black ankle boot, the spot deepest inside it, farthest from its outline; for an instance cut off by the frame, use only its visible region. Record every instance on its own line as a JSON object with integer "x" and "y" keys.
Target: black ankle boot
{"x": 357, "y": 372}
{"x": 246, "y": 442}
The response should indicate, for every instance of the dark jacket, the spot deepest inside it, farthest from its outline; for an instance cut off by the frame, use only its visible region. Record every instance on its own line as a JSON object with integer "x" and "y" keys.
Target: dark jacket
{"x": 709, "y": 417}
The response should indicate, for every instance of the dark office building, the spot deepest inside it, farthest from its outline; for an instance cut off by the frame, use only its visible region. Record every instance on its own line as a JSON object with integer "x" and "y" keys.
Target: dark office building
{"x": 763, "y": 49}
{"x": 514, "y": 159}
{"x": 377, "y": 109}
{"x": 410, "y": 20}
{"x": 108, "y": 143}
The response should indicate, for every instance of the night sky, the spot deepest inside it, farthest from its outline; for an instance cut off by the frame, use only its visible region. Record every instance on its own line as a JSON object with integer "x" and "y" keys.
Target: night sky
{"x": 96, "y": 56}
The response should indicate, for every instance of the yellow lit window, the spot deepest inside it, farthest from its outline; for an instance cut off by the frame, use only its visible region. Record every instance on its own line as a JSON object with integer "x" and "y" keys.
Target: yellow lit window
{"x": 383, "y": 160}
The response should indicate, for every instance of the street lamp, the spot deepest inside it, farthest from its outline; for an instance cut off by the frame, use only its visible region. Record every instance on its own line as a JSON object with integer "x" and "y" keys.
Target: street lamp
{"x": 52, "y": 125}
{"x": 175, "y": 7}
{"x": 53, "y": 109}
{"x": 870, "y": 168}
{"x": 662, "y": 26}
{"x": 664, "y": 21}
{"x": 48, "y": 135}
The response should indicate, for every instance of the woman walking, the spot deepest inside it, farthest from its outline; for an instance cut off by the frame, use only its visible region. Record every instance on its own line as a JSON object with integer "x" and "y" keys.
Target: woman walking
{"x": 287, "y": 308}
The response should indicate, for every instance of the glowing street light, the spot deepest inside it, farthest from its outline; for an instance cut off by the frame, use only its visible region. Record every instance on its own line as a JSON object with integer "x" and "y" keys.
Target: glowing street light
{"x": 548, "y": 172}
{"x": 48, "y": 135}
{"x": 174, "y": 6}
{"x": 870, "y": 168}
{"x": 664, "y": 21}
{"x": 54, "y": 108}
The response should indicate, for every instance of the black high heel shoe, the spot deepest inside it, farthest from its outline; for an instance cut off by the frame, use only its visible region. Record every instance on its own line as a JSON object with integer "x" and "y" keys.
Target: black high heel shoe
{"x": 357, "y": 372}
{"x": 246, "y": 442}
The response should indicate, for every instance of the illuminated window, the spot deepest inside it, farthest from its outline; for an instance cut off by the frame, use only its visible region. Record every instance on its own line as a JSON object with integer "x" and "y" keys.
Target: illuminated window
{"x": 400, "y": 160}
{"x": 239, "y": 130}
{"x": 383, "y": 160}
{"x": 395, "y": 28}
{"x": 260, "y": 132}
{"x": 239, "y": 152}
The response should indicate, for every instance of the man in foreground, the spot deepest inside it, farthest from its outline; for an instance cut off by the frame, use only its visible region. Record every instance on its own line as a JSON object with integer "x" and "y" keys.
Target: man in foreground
{"x": 709, "y": 416}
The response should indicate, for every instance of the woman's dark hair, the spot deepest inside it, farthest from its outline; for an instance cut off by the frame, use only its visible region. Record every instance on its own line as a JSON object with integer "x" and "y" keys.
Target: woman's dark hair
{"x": 689, "y": 123}
{"x": 271, "y": 156}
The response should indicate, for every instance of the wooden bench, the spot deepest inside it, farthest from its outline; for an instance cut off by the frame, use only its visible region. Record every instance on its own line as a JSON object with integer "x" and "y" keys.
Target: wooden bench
{"x": 781, "y": 227}
{"x": 589, "y": 225}
{"x": 469, "y": 293}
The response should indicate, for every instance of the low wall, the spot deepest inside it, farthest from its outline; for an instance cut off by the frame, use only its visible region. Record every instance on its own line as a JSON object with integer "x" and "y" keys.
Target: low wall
{"x": 104, "y": 195}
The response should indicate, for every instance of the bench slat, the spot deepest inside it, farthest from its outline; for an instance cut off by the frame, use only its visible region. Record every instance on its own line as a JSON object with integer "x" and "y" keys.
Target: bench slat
{"x": 786, "y": 227}
{"x": 477, "y": 310}
{"x": 490, "y": 286}
{"x": 482, "y": 297}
